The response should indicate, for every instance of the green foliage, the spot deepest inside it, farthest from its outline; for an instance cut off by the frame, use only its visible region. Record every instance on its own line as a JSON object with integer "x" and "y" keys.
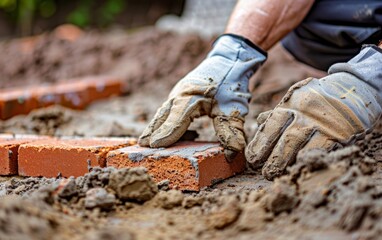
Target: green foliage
{"x": 47, "y": 8}
{"x": 86, "y": 12}
{"x": 22, "y": 12}
{"x": 103, "y": 14}
{"x": 110, "y": 10}
{"x": 81, "y": 15}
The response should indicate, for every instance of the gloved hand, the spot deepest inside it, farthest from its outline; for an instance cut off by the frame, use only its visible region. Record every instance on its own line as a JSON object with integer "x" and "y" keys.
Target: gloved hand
{"x": 218, "y": 87}
{"x": 320, "y": 113}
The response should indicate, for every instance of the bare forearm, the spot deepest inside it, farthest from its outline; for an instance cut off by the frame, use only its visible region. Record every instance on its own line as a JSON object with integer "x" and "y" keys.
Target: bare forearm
{"x": 265, "y": 22}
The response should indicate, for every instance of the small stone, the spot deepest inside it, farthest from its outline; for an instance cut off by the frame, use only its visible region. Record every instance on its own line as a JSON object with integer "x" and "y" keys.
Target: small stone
{"x": 164, "y": 185}
{"x": 67, "y": 188}
{"x": 226, "y": 215}
{"x": 282, "y": 197}
{"x": 99, "y": 197}
{"x": 133, "y": 184}
{"x": 191, "y": 201}
{"x": 170, "y": 199}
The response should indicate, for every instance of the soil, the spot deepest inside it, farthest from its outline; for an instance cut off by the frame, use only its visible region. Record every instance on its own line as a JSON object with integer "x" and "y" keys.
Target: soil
{"x": 336, "y": 195}
{"x": 147, "y": 56}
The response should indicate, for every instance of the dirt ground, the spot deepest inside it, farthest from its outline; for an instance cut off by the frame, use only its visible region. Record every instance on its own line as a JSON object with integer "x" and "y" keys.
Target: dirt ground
{"x": 335, "y": 195}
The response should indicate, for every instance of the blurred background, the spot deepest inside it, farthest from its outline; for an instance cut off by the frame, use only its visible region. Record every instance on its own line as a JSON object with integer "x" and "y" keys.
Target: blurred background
{"x": 27, "y": 17}
{"x": 149, "y": 45}
{"x": 30, "y": 17}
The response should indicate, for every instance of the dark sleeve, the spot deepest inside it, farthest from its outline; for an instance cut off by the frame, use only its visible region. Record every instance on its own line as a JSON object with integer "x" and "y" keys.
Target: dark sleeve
{"x": 334, "y": 31}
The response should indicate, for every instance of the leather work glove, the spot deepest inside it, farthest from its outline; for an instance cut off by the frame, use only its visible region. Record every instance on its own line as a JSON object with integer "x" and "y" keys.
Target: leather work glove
{"x": 218, "y": 87}
{"x": 320, "y": 113}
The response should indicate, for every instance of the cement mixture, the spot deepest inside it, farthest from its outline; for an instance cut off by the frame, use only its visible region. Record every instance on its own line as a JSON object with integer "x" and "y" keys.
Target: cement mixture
{"x": 335, "y": 195}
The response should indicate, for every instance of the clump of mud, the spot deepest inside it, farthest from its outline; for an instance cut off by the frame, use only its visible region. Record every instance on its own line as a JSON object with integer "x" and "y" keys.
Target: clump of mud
{"x": 40, "y": 208}
{"x": 101, "y": 188}
{"x": 19, "y": 186}
{"x": 133, "y": 184}
{"x": 20, "y": 219}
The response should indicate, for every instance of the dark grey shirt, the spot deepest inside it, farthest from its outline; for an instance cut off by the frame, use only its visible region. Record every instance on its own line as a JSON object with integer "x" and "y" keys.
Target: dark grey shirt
{"x": 334, "y": 31}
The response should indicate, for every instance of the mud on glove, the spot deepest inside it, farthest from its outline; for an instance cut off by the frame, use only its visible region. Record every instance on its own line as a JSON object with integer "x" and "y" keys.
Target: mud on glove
{"x": 218, "y": 87}
{"x": 320, "y": 113}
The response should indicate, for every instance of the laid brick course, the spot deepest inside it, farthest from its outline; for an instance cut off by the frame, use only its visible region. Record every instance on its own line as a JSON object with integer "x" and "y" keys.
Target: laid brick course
{"x": 188, "y": 165}
{"x": 76, "y": 94}
{"x": 68, "y": 157}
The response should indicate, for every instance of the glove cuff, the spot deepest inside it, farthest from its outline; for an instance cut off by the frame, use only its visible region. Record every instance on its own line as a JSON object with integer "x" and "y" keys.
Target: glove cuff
{"x": 245, "y": 40}
{"x": 367, "y": 66}
{"x": 240, "y": 50}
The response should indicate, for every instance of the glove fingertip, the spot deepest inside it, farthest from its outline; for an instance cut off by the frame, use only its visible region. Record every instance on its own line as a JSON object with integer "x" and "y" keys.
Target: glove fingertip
{"x": 254, "y": 155}
{"x": 270, "y": 172}
{"x": 230, "y": 134}
{"x": 168, "y": 134}
{"x": 263, "y": 117}
{"x": 230, "y": 155}
{"x": 144, "y": 141}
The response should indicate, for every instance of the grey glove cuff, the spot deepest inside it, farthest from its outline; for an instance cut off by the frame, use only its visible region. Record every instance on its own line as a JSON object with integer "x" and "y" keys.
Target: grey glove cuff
{"x": 246, "y": 40}
{"x": 367, "y": 66}
{"x": 238, "y": 48}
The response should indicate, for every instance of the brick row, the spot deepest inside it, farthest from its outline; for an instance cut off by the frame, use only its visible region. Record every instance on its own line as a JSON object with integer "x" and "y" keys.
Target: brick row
{"x": 76, "y": 94}
{"x": 188, "y": 165}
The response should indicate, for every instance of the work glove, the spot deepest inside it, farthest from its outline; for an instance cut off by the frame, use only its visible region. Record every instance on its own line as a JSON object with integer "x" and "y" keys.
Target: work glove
{"x": 218, "y": 87}
{"x": 320, "y": 113}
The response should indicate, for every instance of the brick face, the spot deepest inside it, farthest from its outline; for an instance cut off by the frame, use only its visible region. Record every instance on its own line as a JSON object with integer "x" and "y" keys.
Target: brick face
{"x": 9, "y": 146}
{"x": 188, "y": 165}
{"x": 8, "y": 156}
{"x": 68, "y": 157}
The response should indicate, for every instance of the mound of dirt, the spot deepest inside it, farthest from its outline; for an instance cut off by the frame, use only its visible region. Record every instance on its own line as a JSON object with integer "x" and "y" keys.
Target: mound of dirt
{"x": 144, "y": 56}
{"x": 335, "y": 195}
{"x": 21, "y": 219}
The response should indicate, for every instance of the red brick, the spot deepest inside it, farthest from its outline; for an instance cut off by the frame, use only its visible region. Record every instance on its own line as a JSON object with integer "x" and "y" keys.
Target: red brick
{"x": 68, "y": 157}
{"x": 175, "y": 163}
{"x": 104, "y": 87}
{"x": 16, "y": 101}
{"x": 76, "y": 94}
{"x": 72, "y": 94}
{"x": 8, "y": 156}
{"x": 9, "y": 147}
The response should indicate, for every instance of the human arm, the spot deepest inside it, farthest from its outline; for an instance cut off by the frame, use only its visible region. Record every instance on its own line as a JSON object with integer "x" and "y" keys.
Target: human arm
{"x": 265, "y": 22}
